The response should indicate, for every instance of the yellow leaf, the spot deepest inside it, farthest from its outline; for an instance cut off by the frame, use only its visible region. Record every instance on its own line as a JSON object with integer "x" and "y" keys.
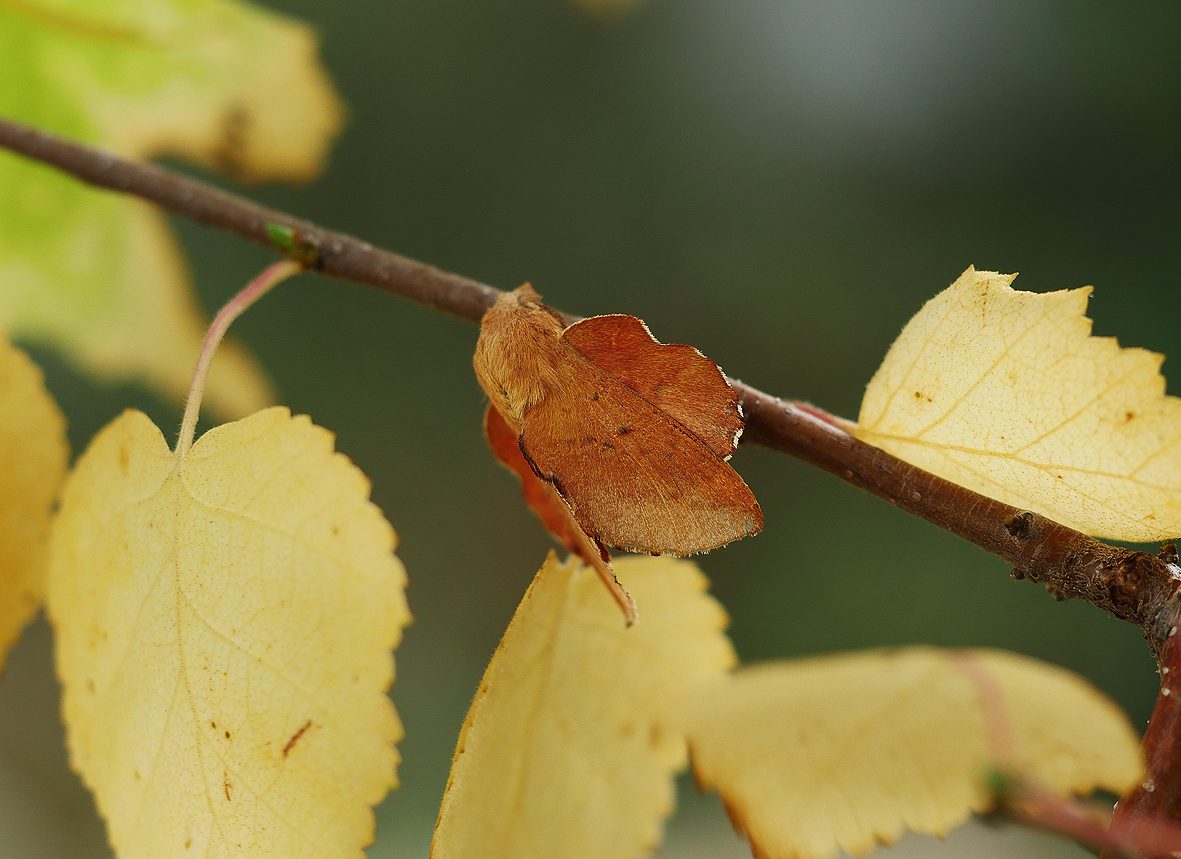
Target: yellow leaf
{"x": 846, "y": 752}
{"x": 144, "y": 322}
{"x": 227, "y": 84}
{"x": 1007, "y": 393}
{"x": 561, "y": 754}
{"x": 33, "y": 455}
{"x": 224, "y": 625}
{"x": 221, "y": 83}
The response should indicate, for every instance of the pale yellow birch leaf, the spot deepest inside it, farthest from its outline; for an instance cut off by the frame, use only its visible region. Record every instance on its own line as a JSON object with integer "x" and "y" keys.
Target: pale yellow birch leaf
{"x": 847, "y": 752}
{"x": 224, "y": 626}
{"x": 33, "y": 455}
{"x": 561, "y": 753}
{"x": 1006, "y": 393}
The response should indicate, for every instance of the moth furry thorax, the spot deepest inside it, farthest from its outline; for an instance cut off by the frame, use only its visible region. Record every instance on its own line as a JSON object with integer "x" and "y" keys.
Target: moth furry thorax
{"x": 515, "y": 378}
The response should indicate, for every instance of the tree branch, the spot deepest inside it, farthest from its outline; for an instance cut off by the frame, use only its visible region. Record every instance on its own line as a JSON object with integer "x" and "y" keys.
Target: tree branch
{"x": 334, "y": 254}
{"x": 1159, "y": 796}
{"x": 1133, "y": 586}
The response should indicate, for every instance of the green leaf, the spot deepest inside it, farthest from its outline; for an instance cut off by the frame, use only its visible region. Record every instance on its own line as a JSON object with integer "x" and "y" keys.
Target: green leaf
{"x": 223, "y": 84}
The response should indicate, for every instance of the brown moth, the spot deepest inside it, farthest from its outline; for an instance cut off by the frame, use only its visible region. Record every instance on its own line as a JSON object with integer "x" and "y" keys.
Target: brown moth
{"x": 632, "y": 434}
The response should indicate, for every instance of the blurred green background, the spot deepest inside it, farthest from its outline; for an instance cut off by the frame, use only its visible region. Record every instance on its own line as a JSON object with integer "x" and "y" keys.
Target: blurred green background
{"x": 780, "y": 183}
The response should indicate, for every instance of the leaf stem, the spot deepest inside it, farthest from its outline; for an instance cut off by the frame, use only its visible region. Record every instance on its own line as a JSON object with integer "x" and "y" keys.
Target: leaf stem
{"x": 1089, "y": 825}
{"x": 271, "y": 276}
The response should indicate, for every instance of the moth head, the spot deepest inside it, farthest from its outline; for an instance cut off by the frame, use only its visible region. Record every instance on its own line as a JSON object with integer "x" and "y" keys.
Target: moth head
{"x": 517, "y": 355}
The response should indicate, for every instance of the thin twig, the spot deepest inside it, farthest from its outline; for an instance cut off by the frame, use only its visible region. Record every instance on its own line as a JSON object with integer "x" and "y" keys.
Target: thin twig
{"x": 335, "y": 254}
{"x": 1158, "y": 797}
{"x": 1133, "y": 586}
{"x": 1089, "y": 824}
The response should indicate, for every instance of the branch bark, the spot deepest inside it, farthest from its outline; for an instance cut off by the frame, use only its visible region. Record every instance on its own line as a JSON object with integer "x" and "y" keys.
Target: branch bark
{"x": 1133, "y": 586}
{"x": 1159, "y": 796}
{"x": 335, "y": 254}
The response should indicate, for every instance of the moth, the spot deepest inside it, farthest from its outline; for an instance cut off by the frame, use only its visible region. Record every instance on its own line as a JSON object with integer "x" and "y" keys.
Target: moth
{"x": 630, "y": 437}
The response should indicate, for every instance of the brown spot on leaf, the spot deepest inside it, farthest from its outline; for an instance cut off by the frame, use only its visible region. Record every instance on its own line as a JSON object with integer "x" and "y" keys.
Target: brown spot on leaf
{"x": 295, "y": 737}
{"x": 226, "y": 787}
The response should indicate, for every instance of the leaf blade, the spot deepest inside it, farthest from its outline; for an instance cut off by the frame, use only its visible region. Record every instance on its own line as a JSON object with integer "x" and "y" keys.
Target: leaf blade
{"x": 567, "y": 715}
{"x": 98, "y": 276}
{"x": 33, "y": 455}
{"x": 1007, "y": 393}
{"x": 847, "y": 752}
{"x": 221, "y": 626}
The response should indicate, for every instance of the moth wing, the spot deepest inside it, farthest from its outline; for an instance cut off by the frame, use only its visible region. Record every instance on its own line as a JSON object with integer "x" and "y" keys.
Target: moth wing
{"x": 677, "y": 379}
{"x": 540, "y": 497}
{"x": 634, "y": 478}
